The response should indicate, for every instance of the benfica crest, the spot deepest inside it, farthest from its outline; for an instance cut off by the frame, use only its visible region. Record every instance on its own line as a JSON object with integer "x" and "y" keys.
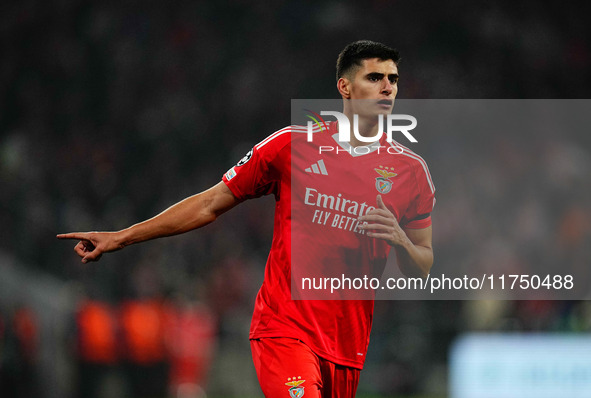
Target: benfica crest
{"x": 296, "y": 391}
{"x": 383, "y": 183}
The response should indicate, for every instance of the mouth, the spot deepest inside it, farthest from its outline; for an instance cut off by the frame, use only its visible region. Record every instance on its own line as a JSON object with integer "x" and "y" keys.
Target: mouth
{"x": 385, "y": 102}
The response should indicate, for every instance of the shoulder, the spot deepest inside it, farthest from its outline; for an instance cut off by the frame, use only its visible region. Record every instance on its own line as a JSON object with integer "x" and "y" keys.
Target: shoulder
{"x": 416, "y": 162}
{"x": 282, "y": 137}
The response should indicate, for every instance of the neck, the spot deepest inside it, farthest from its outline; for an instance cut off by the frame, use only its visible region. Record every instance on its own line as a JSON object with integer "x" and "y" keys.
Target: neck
{"x": 366, "y": 127}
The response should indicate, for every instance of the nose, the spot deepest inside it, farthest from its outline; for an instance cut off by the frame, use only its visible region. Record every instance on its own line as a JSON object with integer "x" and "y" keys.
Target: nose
{"x": 387, "y": 87}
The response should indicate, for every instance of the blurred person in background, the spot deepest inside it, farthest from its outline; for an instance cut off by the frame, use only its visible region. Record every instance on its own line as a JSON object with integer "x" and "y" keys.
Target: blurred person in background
{"x": 97, "y": 346}
{"x": 190, "y": 335}
{"x": 146, "y": 358}
{"x": 19, "y": 340}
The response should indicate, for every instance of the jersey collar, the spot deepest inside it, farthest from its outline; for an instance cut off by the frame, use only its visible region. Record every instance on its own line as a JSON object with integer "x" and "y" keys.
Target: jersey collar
{"x": 355, "y": 151}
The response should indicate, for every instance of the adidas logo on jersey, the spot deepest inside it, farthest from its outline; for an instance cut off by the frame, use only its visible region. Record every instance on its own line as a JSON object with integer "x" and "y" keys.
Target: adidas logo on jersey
{"x": 317, "y": 168}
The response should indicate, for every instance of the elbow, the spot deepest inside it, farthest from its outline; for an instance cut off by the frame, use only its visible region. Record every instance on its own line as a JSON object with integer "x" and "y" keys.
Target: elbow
{"x": 416, "y": 271}
{"x": 425, "y": 272}
{"x": 428, "y": 265}
{"x": 206, "y": 217}
{"x": 426, "y": 269}
{"x": 202, "y": 218}
{"x": 418, "y": 267}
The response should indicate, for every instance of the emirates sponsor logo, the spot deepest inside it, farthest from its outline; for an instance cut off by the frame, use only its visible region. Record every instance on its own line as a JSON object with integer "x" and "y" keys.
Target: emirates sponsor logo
{"x": 336, "y": 211}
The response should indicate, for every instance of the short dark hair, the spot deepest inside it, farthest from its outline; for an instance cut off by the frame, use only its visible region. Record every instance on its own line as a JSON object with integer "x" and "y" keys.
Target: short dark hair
{"x": 356, "y": 52}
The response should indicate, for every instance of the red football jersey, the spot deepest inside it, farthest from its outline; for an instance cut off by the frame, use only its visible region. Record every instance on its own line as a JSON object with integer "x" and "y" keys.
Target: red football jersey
{"x": 321, "y": 188}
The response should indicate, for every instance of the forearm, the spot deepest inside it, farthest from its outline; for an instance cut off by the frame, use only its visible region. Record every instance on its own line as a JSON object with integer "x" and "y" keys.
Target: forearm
{"x": 186, "y": 215}
{"x": 414, "y": 260}
{"x": 413, "y": 246}
{"x": 191, "y": 213}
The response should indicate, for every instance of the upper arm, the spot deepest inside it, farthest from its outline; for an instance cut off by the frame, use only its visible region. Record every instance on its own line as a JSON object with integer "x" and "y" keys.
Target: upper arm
{"x": 421, "y": 237}
{"x": 220, "y": 199}
{"x": 422, "y": 198}
{"x": 262, "y": 169}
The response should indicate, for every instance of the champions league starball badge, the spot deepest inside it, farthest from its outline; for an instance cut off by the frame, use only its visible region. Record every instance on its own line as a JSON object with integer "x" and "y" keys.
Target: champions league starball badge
{"x": 245, "y": 159}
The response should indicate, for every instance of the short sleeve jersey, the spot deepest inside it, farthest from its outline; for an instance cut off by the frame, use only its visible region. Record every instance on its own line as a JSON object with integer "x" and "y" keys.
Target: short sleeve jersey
{"x": 321, "y": 188}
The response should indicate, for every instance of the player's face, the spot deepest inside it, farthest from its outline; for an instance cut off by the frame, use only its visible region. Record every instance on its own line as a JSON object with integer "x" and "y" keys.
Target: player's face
{"x": 375, "y": 82}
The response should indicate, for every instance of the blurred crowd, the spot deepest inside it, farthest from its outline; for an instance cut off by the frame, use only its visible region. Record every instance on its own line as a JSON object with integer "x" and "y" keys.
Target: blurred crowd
{"x": 112, "y": 111}
{"x": 138, "y": 348}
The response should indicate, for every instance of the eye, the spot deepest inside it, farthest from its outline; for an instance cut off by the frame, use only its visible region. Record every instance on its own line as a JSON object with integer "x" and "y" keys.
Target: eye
{"x": 374, "y": 77}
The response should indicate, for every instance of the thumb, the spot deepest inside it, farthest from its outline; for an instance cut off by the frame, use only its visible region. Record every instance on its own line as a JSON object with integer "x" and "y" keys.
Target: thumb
{"x": 94, "y": 255}
{"x": 380, "y": 203}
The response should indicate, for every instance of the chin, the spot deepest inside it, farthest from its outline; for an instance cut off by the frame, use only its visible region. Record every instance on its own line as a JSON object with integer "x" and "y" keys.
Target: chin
{"x": 384, "y": 111}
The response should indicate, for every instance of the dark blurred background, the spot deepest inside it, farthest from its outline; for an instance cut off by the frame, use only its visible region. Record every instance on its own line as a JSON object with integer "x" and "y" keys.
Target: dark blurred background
{"x": 112, "y": 111}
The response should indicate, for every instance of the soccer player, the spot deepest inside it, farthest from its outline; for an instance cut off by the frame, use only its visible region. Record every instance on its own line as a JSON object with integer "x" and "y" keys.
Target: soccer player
{"x": 340, "y": 207}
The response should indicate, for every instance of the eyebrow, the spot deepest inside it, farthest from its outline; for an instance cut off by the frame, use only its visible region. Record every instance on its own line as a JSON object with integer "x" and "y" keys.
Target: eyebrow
{"x": 381, "y": 75}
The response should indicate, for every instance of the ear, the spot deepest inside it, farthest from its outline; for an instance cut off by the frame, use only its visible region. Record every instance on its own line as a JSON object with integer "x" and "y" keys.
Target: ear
{"x": 344, "y": 87}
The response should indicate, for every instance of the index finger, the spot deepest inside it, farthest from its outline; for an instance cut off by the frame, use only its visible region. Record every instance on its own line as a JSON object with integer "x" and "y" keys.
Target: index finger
{"x": 73, "y": 235}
